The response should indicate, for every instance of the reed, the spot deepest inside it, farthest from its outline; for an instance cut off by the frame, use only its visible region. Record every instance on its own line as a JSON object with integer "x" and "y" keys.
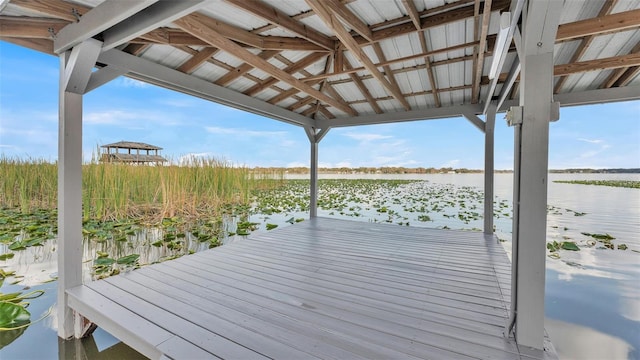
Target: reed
{"x": 198, "y": 187}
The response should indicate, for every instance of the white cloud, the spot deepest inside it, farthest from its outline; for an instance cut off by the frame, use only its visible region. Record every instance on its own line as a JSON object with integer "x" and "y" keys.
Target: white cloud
{"x": 365, "y": 137}
{"x": 128, "y": 82}
{"x": 244, "y": 132}
{"x": 592, "y": 141}
{"x": 345, "y": 163}
{"x": 7, "y": 146}
{"x": 297, "y": 164}
{"x": 109, "y": 117}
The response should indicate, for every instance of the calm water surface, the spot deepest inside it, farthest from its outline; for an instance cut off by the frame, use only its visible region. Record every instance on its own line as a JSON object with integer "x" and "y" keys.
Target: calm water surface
{"x": 592, "y": 296}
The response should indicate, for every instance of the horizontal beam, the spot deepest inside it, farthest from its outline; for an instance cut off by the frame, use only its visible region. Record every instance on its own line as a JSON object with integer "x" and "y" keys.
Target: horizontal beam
{"x": 157, "y": 74}
{"x": 599, "y": 25}
{"x": 597, "y": 64}
{"x": 97, "y": 20}
{"x": 413, "y": 115}
{"x": 30, "y": 28}
{"x": 599, "y": 96}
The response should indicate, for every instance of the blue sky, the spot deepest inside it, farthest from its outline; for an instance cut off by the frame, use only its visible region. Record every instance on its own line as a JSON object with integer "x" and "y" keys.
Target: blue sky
{"x": 596, "y": 136}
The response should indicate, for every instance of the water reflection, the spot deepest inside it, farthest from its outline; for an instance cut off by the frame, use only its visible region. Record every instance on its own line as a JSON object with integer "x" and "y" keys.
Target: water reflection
{"x": 87, "y": 348}
{"x": 575, "y": 342}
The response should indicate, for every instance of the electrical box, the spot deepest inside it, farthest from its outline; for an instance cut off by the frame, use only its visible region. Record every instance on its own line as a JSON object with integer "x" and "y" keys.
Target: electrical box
{"x": 514, "y": 115}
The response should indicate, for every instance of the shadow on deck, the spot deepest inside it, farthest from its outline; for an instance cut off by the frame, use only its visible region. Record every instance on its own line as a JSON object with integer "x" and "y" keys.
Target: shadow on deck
{"x": 323, "y": 288}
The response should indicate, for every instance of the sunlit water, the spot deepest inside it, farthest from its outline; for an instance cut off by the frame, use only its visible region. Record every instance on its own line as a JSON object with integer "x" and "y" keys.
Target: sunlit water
{"x": 592, "y": 295}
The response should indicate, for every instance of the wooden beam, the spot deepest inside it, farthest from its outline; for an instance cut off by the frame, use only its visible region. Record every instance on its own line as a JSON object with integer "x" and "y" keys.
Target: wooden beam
{"x": 387, "y": 69}
{"x": 395, "y": 61}
{"x": 613, "y": 78}
{"x": 42, "y": 45}
{"x": 348, "y": 17}
{"x": 199, "y": 28}
{"x": 429, "y": 69}
{"x": 291, "y": 69}
{"x": 275, "y": 16}
{"x": 363, "y": 89}
{"x": 348, "y": 41}
{"x": 427, "y": 12}
{"x": 599, "y": 25}
{"x": 479, "y": 64}
{"x": 135, "y": 49}
{"x": 598, "y": 64}
{"x": 30, "y": 28}
{"x": 244, "y": 68}
{"x": 430, "y": 22}
{"x": 628, "y": 75}
{"x": 201, "y": 57}
{"x": 584, "y": 44}
{"x": 251, "y": 39}
{"x": 410, "y": 6}
{"x": 56, "y": 8}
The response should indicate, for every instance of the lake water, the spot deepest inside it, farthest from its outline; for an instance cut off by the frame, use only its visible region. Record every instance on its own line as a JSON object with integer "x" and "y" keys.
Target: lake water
{"x": 592, "y": 300}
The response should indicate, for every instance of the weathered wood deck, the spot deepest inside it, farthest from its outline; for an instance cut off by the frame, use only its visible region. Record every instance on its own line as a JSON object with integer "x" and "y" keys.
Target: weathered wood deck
{"x": 322, "y": 288}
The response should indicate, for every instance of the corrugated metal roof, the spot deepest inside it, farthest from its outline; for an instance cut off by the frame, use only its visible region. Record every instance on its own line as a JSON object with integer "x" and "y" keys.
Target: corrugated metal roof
{"x": 297, "y": 32}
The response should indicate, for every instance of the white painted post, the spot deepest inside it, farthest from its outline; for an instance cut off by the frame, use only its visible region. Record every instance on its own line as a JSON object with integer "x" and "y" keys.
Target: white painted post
{"x": 490, "y": 120}
{"x": 536, "y": 92}
{"x": 313, "y": 183}
{"x": 69, "y": 200}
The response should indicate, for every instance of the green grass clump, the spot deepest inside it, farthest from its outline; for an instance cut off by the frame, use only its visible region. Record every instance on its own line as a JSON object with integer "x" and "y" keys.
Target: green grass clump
{"x": 116, "y": 191}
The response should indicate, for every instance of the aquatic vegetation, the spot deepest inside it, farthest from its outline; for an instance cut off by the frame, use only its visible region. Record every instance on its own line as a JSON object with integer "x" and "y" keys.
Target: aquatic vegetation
{"x": 615, "y": 183}
{"x": 13, "y": 309}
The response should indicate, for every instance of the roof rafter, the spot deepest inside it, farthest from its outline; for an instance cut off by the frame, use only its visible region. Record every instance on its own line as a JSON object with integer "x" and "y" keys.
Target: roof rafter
{"x": 479, "y": 61}
{"x": 199, "y": 28}
{"x": 363, "y": 89}
{"x": 198, "y": 59}
{"x": 599, "y": 25}
{"x": 395, "y": 61}
{"x": 329, "y": 18}
{"x": 244, "y": 68}
{"x": 348, "y": 17}
{"x": 616, "y": 75}
{"x": 283, "y": 20}
{"x": 410, "y": 6}
{"x": 584, "y": 44}
{"x": 291, "y": 69}
{"x": 430, "y": 21}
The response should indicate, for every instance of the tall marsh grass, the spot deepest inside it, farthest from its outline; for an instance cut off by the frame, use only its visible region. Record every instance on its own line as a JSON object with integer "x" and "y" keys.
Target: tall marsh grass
{"x": 200, "y": 186}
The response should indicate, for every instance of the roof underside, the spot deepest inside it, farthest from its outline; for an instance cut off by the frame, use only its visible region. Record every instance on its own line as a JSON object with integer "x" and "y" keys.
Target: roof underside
{"x": 341, "y": 62}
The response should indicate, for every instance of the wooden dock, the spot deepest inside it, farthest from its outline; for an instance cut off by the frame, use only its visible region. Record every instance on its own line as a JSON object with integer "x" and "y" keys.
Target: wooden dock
{"x": 323, "y": 288}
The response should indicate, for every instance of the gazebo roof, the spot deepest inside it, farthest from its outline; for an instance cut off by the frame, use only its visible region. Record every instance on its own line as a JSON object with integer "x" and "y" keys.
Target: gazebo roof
{"x": 329, "y": 63}
{"x": 131, "y": 145}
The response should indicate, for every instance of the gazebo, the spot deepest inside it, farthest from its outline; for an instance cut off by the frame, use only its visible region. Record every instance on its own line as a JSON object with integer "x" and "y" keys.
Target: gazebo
{"x": 132, "y": 153}
{"x": 323, "y": 64}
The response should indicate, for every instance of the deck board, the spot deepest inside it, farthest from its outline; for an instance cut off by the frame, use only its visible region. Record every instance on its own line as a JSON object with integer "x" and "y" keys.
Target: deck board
{"x": 320, "y": 289}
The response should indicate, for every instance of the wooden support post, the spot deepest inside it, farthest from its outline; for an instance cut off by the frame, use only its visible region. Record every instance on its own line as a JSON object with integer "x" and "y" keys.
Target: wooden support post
{"x": 490, "y": 120}
{"x": 536, "y": 84}
{"x": 315, "y": 136}
{"x": 69, "y": 200}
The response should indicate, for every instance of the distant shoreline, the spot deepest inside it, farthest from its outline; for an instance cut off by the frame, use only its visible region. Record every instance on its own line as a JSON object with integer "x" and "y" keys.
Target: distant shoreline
{"x": 420, "y": 170}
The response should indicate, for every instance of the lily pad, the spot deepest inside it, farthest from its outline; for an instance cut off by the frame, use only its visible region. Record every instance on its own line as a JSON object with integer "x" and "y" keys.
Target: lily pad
{"x": 104, "y": 261}
{"x": 129, "y": 259}
{"x": 12, "y": 315}
{"x": 271, "y": 226}
{"x": 6, "y": 256}
{"x": 570, "y": 245}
